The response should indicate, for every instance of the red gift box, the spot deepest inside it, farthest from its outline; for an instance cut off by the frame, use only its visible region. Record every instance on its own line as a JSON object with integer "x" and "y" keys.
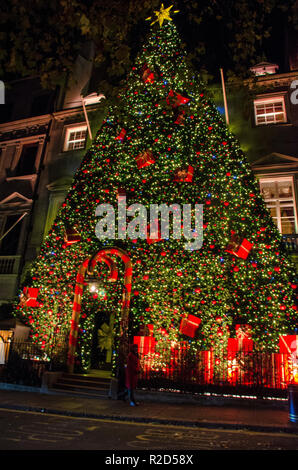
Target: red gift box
{"x": 146, "y": 344}
{"x": 241, "y": 344}
{"x": 288, "y": 345}
{"x": 29, "y": 296}
{"x": 243, "y": 332}
{"x": 236, "y": 345}
{"x": 150, "y": 328}
{"x": 144, "y": 159}
{"x": 241, "y": 250}
{"x": 147, "y": 74}
{"x": 207, "y": 366}
{"x": 175, "y": 99}
{"x": 71, "y": 236}
{"x": 184, "y": 174}
{"x": 121, "y": 135}
{"x": 243, "y": 341}
{"x": 189, "y": 325}
{"x": 180, "y": 118}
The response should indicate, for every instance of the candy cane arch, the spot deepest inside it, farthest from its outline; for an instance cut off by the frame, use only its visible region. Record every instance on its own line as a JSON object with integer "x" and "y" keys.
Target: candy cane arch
{"x": 88, "y": 267}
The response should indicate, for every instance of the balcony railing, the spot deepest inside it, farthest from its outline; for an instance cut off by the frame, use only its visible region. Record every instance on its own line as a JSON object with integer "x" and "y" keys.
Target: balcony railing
{"x": 291, "y": 242}
{"x": 9, "y": 264}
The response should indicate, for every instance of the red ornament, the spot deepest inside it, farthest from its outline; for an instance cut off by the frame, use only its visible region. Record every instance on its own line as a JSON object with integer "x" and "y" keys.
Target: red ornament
{"x": 189, "y": 325}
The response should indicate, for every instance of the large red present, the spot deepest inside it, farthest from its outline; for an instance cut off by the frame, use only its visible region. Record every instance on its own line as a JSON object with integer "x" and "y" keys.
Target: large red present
{"x": 184, "y": 174}
{"x": 145, "y": 158}
{"x": 146, "y": 344}
{"x": 189, "y": 325}
{"x": 288, "y": 347}
{"x": 71, "y": 235}
{"x": 239, "y": 249}
{"x": 29, "y": 297}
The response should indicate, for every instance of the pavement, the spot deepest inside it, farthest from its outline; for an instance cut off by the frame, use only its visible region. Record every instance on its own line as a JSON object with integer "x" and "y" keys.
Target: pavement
{"x": 159, "y": 408}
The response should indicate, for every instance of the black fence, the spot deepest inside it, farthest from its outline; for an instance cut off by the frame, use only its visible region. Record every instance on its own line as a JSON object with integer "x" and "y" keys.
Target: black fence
{"x": 235, "y": 372}
{"x": 22, "y": 363}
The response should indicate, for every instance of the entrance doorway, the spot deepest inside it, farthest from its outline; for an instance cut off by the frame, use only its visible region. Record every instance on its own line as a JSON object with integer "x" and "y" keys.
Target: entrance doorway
{"x": 100, "y": 356}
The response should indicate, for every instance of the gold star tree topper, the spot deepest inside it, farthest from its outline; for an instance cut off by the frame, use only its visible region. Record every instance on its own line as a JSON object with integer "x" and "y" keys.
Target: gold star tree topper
{"x": 162, "y": 15}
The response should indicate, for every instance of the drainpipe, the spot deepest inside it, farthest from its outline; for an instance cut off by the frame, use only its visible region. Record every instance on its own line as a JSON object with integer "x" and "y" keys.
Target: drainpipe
{"x": 224, "y": 96}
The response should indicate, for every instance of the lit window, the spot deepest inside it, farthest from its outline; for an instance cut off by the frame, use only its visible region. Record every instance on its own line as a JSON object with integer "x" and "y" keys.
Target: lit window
{"x": 75, "y": 138}
{"x": 270, "y": 111}
{"x": 280, "y": 200}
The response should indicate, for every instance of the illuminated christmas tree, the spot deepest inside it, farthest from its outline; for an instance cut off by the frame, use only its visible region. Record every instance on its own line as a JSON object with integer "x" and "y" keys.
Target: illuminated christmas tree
{"x": 164, "y": 142}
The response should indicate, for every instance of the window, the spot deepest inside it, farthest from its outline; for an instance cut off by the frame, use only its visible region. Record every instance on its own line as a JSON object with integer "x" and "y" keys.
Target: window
{"x": 9, "y": 244}
{"x": 26, "y": 163}
{"x": 270, "y": 111}
{"x": 75, "y": 138}
{"x": 280, "y": 200}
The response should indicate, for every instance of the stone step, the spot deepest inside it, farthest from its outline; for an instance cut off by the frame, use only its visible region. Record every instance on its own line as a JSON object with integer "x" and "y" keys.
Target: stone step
{"x": 81, "y": 391}
{"x": 84, "y": 381}
{"x": 83, "y": 384}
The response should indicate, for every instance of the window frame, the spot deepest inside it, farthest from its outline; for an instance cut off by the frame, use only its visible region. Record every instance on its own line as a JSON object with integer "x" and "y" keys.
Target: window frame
{"x": 280, "y": 98}
{"x": 276, "y": 202}
{"x": 74, "y": 128}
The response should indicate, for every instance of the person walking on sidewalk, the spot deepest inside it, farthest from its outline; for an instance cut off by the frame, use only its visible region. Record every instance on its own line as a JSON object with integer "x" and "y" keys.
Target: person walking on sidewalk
{"x": 131, "y": 373}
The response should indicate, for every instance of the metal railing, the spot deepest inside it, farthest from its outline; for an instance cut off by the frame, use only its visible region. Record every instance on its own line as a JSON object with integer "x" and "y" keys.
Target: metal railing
{"x": 9, "y": 264}
{"x": 204, "y": 371}
{"x": 22, "y": 363}
{"x": 291, "y": 242}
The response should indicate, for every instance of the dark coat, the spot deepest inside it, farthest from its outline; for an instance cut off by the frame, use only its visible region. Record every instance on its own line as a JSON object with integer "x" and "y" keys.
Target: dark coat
{"x": 132, "y": 369}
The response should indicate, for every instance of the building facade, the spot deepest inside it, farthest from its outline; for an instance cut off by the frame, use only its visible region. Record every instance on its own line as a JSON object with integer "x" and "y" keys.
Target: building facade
{"x": 43, "y": 138}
